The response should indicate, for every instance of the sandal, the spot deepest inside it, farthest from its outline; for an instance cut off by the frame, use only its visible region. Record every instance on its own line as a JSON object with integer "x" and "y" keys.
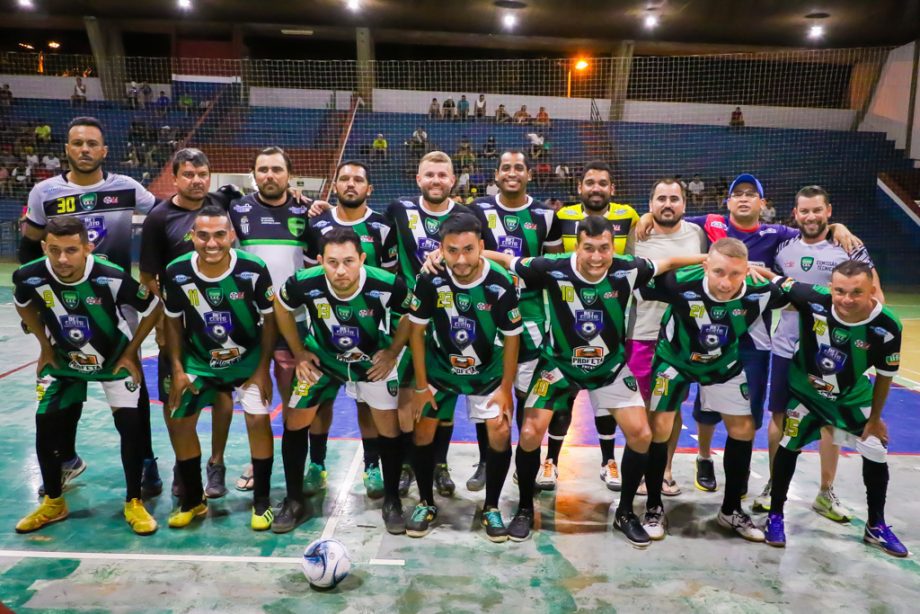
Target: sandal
{"x": 245, "y": 481}
{"x": 669, "y": 488}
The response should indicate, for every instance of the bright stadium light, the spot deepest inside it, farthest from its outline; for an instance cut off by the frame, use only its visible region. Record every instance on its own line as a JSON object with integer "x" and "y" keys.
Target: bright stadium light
{"x": 353, "y": 5}
{"x": 54, "y": 45}
{"x": 509, "y": 21}
{"x": 815, "y": 32}
{"x": 185, "y": 5}
{"x": 581, "y": 65}
{"x": 26, "y": 4}
{"x": 650, "y": 22}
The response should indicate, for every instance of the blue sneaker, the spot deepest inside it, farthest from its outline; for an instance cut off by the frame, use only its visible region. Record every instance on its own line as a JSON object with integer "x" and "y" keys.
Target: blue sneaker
{"x": 775, "y": 531}
{"x": 151, "y": 484}
{"x": 883, "y": 538}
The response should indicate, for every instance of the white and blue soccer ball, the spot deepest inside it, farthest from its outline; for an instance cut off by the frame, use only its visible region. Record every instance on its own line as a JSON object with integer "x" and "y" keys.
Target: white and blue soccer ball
{"x": 326, "y": 563}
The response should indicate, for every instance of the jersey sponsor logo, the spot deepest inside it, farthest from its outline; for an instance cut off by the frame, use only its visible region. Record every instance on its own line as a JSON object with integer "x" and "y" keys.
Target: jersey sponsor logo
{"x": 588, "y": 295}
{"x": 95, "y": 228}
{"x": 181, "y": 279}
{"x": 514, "y": 316}
{"x": 511, "y": 222}
{"x": 76, "y": 329}
{"x": 862, "y": 345}
{"x": 315, "y": 293}
{"x": 378, "y": 226}
{"x": 237, "y": 296}
{"x": 830, "y": 360}
{"x": 244, "y": 225}
{"x": 218, "y": 325}
{"x": 92, "y": 300}
{"x": 719, "y": 225}
{"x": 445, "y": 300}
{"x": 587, "y": 356}
{"x": 269, "y": 294}
{"x": 702, "y": 358}
{"x": 297, "y": 210}
{"x": 224, "y": 357}
{"x": 510, "y": 245}
{"x": 437, "y": 281}
{"x": 110, "y": 200}
{"x": 366, "y": 313}
{"x": 739, "y": 312}
{"x": 713, "y": 336}
{"x": 432, "y": 225}
{"x": 819, "y": 384}
{"x": 840, "y": 336}
{"x": 373, "y": 294}
{"x": 267, "y": 220}
{"x": 242, "y": 207}
{"x": 807, "y": 262}
{"x": 893, "y": 360}
{"x": 529, "y": 226}
{"x": 414, "y": 303}
{"x": 756, "y": 296}
{"x": 464, "y": 302}
{"x": 34, "y": 281}
{"x": 344, "y": 312}
{"x": 688, "y": 295}
{"x": 497, "y": 290}
{"x": 718, "y": 312}
{"x": 366, "y": 239}
{"x": 612, "y": 294}
{"x": 70, "y": 299}
{"x": 88, "y": 201}
{"x": 353, "y": 355}
{"x": 463, "y": 365}
{"x": 426, "y": 245}
{"x": 130, "y": 386}
{"x": 819, "y": 327}
{"x": 483, "y": 307}
{"x": 817, "y": 308}
{"x": 620, "y": 274}
{"x": 143, "y": 292}
{"x": 620, "y": 212}
{"x": 214, "y": 295}
{"x": 296, "y": 226}
{"x": 85, "y": 363}
{"x": 768, "y": 231}
{"x": 882, "y": 332}
{"x": 462, "y": 331}
{"x": 588, "y": 323}
{"x": 321, "y": 224}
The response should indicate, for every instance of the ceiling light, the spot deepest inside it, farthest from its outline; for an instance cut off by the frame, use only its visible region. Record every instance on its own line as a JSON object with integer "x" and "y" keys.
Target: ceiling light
{"x": 27, "y": 46}
{"x": 581, "y": 65}
{"x": 26, "y": 4}
{"x": 650, "y": 22}
{"x": 509, "y": 21}
{"x": 815, "y": 31}
{"x": 185, "y": 5}
{"x": 353, "y": 5}
{"x": 54, "y": 45}
{"x": 297, "y": 32}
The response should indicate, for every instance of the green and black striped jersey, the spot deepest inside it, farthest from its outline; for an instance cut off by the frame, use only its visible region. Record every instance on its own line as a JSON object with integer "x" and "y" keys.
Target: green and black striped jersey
{"x": 465, "y": 327}
{"x": 417, "y": 233}
{"x": 222, "y": 317}
{"x": 699, "y": 334}
{"x": 378, "y": 239}
{"x": 586, "y": 319}
{"x": 84, "y": 318}
{"x": 345, "y": 333}
{"x": 833, "y": 356}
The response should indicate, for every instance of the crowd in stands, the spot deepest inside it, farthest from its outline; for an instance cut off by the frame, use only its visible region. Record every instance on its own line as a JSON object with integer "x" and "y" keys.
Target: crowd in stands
{"x": 28, "y": 151}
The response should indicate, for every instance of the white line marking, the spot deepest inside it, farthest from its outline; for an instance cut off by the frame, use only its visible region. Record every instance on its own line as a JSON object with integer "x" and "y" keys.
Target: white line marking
{"x": 756, "y": 475}
{"x": 390, "y": 562}
{"x": 127, "y": 556}
{"x": 338, "y": 509}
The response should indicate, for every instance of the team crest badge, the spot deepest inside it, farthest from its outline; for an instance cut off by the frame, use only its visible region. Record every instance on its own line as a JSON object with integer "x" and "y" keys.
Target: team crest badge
{"x": 463, "y": 302}
{"x": 296, "y": 226}
{"x": 432, "y": 225}
{"x": 589, "y": 323}
{"x": 70, "y": 298}
{"x": 511, "y": 223}
{"x": 88, "y": 201}
{"x": 718, "y": 312}
{"x": 588, "y": 295}
{"x": 130, "y": 386}
{"x": 630, "y": 383}
{"x": 343, "y": 312}
{"x": 840, "y": 336}
{"x": 807, "y": 262}
{"x": 214, "y": 296}
{"x": 462, "y": 331}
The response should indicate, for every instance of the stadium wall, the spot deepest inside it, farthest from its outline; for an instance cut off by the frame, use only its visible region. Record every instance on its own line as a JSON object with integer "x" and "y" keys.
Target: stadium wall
{"x": 299, "y": 99}
{"x": 61, "y": 88}
{"x": 888, "y": 108}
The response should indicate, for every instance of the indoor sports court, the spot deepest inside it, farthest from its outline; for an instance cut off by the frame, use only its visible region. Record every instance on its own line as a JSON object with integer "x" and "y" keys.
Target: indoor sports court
{"x": 801, "y": 95}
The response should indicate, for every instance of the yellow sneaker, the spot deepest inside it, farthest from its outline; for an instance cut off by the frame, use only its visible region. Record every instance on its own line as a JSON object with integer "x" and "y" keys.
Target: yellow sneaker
{"x": 139, "y": 519}
{"x": 179, "y": 519}
{"x": 262, "y": 522}
{"x": 50, "y": 510}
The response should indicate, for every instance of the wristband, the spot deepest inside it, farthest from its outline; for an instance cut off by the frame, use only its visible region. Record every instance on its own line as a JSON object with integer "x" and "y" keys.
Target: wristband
{"x": 421, "y": 390}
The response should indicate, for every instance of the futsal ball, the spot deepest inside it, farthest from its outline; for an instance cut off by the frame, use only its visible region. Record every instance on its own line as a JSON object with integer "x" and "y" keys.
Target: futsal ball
{"x": 326, "y": 563}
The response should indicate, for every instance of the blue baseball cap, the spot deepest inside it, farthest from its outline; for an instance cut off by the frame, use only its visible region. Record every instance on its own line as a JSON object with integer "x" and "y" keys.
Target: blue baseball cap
{"x": 746, "y": 178}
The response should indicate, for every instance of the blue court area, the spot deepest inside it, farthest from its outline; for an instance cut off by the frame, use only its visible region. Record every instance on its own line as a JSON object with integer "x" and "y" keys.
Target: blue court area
{"x": 901, "y": 414}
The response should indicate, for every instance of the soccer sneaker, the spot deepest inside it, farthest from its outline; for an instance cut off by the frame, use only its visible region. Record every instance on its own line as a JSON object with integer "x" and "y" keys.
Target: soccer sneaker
{"x": 762, "y": 501}
{"x": 629, "y": 525}
{"x": 655, "y": 523}
{"x": 705, "y": 475}
{"x": 548, "y": 476}
{"x": 315, "y": 480}
{"x": 50, "y": 510}
{"x": 521, "y": 524}
{"x": 182, "y": 518}
{"x": 828, "y": 505}
{"x": 70, "y": 469}
{"x": 419, "y": 524}
{"x": 217, "y": 478}
{"x": 262, "y": 521}
{"x": 741, "y": 523}
{"x": 138, "y": 518}
{"x": 775, "y": 531}
{"x": 494, "y": 525}
{"x": 477, "y": 481}
{"x": 151, "y": 484}
{"x": 373, "y": 482}
{"x": 393, "y": 518}
{"x": 610, "y": 474}
{"x": 442, "y": 480}
{"x": 883, "y": 538}
{"x": 291, "y": 514}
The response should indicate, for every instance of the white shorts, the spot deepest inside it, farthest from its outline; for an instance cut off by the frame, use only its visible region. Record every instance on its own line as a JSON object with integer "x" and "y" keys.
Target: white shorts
{"x": 250, "y": 399}
{"x": 118, "y": 393}
{"x": 623, "y": 392}
{"x": 377, "y": 395}
{"x": 479, "y": 409}
{"x": 524, "y": 376}
{"x": 730, "y": 398}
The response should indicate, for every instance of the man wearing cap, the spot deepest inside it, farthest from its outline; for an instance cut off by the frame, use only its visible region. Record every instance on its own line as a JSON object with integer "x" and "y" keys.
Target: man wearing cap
{"x": 745, "y": 202}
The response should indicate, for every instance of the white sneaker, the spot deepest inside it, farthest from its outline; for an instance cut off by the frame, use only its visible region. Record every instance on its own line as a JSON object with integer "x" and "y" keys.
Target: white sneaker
{"x": 655, "y": 523}
{"x": 741, "y": 524}
{"x": 610, "y": 474}
{"x": 548, "y": 475}
{"x": 828, "y": 505}
{"x": 762, "y": 501}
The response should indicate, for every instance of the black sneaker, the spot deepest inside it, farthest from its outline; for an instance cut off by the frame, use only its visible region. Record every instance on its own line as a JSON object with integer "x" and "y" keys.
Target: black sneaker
{"x": 393, "y": 517}
{"x": 217, "y": 478}
{"x": 291, "y": 514}
{"x": 442, "y": 480}
{"x": 419, "y": 524}
{"x": 494, "y": 525}
{"x": 520, "y": 525}
{"x": 705, "y": 475}
{"x": 151, "y": 484}
{"x": 631, "y": 527}
{"x": 478, "y": 480}
{"x": 405, "y": 480}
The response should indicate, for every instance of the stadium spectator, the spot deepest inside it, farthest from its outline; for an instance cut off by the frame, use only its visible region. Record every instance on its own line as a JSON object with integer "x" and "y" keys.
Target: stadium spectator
{"x": 564, "y": 176}
{"x": 6, "y": 97}
{"x": 474, "y": 194}
{"x": 542, "y": 118}
{"x": 697, "y": 190}
{"x": 186, "y": 104}
{"x": 434, "y": 109}
{"x": 133, "y": 95}
{"x": 449, "y": 108}
{"x": 537, "y": 140}
{"x": 51, "y": 162}
{"x": 146, "y": 94}
{"x": 4, "y": 180}
{"x": 737, "y": 119}
{"x": 166, "y": 138}
{"x": 501, "y": 115}
{"x": 32, "y": 160}
{"x": 78, "y": 98}
{"x": 463, "y": 108}
{"x": 131, "y": 157}
{"x": 489, "y": 149}
{"x": 463, "y": 182}
{"x": 768, "y": 213}
{"x": 162, "y": 104}
{"x": 492, "y": 188}
{"x": 419, "y": 141}
{"x": 479, "y": 110}
{"x": 43, "y": 133}
{"x": 722, "y": 191}
{"x": 22, "y": 180}
{"x": 465, "y": 154}
{"x": 522, "y": 116}
{"x": 379, "y": 147}
{"x": 553, "y": 203}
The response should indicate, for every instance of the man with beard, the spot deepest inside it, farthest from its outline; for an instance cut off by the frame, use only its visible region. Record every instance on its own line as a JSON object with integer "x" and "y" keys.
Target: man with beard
{"x": 378, "y": 243}
{"x": 809, "y": 258}
{"x": 671, "y": 236}
{"x": 595, "y": 190}
{"x": 105, "y": 203}
{"x": 167, "y": 234}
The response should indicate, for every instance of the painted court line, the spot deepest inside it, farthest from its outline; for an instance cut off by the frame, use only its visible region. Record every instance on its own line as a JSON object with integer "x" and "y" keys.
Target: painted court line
{"x": 128, "y": 556}
{"x": 338, "y": 509}
{"x": 19, "y": 368}
{"x": 388, "y": 562}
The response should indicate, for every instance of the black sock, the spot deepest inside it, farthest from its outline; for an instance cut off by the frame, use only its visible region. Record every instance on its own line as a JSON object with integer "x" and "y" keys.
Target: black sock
{"x": 482, "y": 438}
{"x": 875, "y": 477}
{"x": 67, "y": 437}
{"x": 50, "y": 429}
{"x": 318, "y": 448}
{"x": 371, "y": 452}
{"x": 128, "y": 422}
{"x": 527, "y": 465}
{"x": 783, "y": 470}
{"x": 558, "y": 427}
{"x": 190, "y": 474}
{"x": 632, "y": 470}
{"x": 423, "y": 465}
{"x": 261, "y": 481}
{"x": 606, "y": 433}
{"x": 519, "y": 413}
{"x": 442, "y": 439}
{"x": 294, "y": 446}
{"x": 497, "y": 465}
{"x": 736, "y": 463}
{"x": 408, "y": 449}
{"x": 654, "y": 473}
{"x": 390, "y": 465}
{"x": 143, "y": 408}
